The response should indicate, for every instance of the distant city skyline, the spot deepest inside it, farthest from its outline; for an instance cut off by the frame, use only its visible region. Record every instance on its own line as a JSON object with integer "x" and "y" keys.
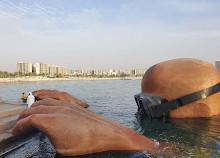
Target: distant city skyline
{"x": 54, "y": 64}
{"x": 130, "y": 68}
{"x": 97, "y": 34}
{"x": 59, "y": 70}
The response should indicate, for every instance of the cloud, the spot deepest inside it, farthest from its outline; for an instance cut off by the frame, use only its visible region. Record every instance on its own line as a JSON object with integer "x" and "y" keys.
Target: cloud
{"x": 189, "y": 6}
{"x": 47, "y": 19}
{"x": 133, "y": 34}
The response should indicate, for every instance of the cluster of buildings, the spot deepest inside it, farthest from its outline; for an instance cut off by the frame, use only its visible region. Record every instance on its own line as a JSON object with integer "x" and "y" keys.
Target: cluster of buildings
{"x": 54, "y": 70}
{"x": 41, "y": 68}
{"x": 114, "y": 72}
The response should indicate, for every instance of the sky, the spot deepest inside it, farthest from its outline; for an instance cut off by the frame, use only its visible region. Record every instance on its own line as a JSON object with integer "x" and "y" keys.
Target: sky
{"x": 107, "y": 34}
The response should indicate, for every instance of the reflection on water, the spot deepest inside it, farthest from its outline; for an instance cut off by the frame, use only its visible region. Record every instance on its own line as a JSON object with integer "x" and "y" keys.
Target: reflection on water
{"x": 34, "y": 145}
{"x": 198, "y": 137}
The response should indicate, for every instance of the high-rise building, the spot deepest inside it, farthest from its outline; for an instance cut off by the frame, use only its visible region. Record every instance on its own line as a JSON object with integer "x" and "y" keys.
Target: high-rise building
{"x": 217, "y": 64}
{"x": 37, "y": 68}
{"x": 34, "y": 68}
{"x": 24, "y": 67}
{"x": 132, "y": 72}
{"x": 125, "y": 72}
{"x": 42, "y": 68}
{"x": 140, "y": 71}
{"x": 60, "y": 70}
{"x": 52, "y": 70}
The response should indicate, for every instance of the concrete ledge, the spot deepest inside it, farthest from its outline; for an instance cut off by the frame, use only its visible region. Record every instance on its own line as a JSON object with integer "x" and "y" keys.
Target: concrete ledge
{"x": 4, "y": 136}
{"x": 7, "y": 123}
{"x": 11, "y": 112}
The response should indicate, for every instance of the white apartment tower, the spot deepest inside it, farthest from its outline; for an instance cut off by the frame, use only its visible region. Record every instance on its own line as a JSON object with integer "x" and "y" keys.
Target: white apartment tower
{"x": 42, "y": 68}
{"x": 61, "y": 70}
{"x": 100, "y": 72}
{"x": 52, "y": 70}
{"x": 24, "y": 67}
{"x": 140, "y": 71}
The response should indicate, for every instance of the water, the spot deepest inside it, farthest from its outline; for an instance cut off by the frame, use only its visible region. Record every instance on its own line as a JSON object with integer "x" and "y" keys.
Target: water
{"x": 114, "y": 99}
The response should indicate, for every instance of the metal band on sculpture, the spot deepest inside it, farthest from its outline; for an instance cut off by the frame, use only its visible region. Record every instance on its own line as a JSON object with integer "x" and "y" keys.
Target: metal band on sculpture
{"x": 157, "y": 110}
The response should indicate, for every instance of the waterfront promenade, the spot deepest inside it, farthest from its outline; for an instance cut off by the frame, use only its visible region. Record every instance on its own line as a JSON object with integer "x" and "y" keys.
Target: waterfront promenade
{"x": 37, "y": 79}
{"x": 9, "y": 112}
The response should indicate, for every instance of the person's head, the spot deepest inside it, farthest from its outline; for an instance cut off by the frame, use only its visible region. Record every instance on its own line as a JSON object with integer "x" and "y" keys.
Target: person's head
{"x": 177, "y": 78}
{"x": 23, "y": 93}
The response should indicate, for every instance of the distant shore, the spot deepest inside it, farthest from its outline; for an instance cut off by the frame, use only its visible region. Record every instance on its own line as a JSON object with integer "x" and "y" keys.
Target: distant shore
{"x": 39, "y": 79}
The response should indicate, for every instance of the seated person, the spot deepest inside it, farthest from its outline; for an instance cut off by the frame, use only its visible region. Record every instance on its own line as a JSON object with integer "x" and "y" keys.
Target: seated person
{"x": 23, "y": 98}
{"x": 75, "y": 130}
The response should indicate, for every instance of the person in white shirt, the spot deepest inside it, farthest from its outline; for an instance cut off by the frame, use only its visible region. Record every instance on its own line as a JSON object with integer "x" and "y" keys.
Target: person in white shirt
{"x": 30, "y": 99}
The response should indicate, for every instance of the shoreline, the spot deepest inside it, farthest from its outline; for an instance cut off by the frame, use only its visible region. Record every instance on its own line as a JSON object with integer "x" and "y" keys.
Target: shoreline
{"x": 40, "y": 79}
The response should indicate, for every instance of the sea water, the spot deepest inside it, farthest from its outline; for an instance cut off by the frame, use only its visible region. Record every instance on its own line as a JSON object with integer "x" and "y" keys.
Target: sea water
{"x": 114, "y": 99}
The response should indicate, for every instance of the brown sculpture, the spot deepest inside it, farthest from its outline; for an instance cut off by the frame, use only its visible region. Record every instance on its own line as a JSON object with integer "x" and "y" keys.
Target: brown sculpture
{"x": 75, "y": 130}
{"x": 176, "y": 78}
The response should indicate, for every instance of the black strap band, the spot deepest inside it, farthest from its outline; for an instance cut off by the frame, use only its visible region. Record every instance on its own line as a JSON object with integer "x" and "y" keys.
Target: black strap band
{"x": 174, "y": 104}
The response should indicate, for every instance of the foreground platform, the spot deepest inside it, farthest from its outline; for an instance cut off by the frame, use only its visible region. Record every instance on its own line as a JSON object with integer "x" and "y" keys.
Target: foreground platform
{"x": 9, "y": 112}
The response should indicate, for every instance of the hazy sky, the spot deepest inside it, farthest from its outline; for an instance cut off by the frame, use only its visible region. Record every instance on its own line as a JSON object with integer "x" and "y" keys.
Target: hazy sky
{"x": 100, "y": 34}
